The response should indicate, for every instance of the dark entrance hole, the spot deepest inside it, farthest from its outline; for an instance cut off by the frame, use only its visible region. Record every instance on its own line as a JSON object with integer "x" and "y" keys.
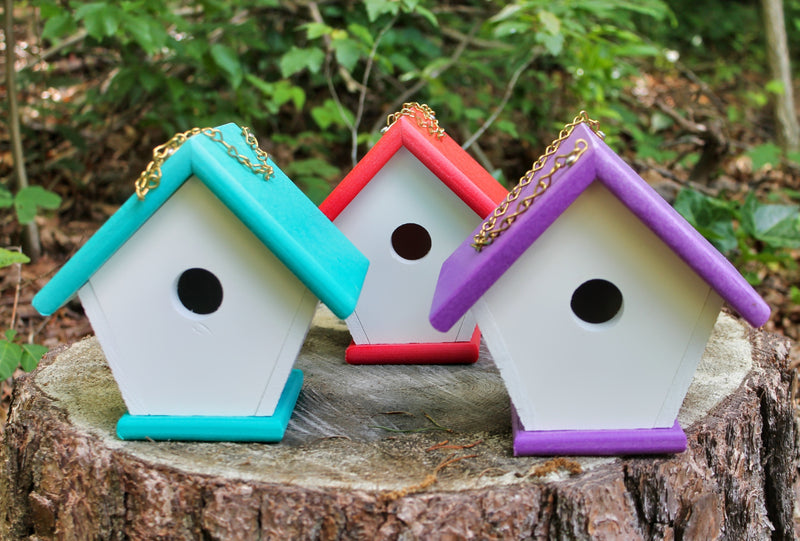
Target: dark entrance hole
{"x": 411, "y": 241}
{"x": 199, "y": 291}
{"x": 596, "y": 301}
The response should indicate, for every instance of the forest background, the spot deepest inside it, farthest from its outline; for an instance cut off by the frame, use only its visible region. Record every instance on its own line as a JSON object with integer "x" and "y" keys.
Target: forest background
{"x": 683, "y": 91}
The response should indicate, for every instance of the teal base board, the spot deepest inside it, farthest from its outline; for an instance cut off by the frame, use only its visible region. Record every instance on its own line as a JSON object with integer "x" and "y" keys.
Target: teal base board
{"x": 209, "y": 428}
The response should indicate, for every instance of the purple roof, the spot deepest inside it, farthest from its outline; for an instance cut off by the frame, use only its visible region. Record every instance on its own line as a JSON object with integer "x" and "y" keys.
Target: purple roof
{"x": 467, "y": 274}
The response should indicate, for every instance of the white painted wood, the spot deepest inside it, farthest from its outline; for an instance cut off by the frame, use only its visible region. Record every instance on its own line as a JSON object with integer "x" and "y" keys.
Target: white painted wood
{"x": 285, "y": 358}
{"x": 168, "y": 361}
{"x": 397, "y": 294}
{"x": 691, "y": 358}
{"x": 356, "y": 328}
{"x": 563, "y": 373}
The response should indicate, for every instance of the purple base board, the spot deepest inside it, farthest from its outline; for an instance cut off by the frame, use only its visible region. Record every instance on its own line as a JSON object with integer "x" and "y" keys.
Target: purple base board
{"x": 640, "y": 441}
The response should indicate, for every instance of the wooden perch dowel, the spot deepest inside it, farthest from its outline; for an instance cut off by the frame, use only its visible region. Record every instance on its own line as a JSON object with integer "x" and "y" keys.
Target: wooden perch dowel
{"x": 399, "y": 452}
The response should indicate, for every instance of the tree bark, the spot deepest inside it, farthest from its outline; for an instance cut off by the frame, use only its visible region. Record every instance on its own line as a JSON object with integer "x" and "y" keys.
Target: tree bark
{"x": 778, "y": 58}
{"x": 364, "y": 458}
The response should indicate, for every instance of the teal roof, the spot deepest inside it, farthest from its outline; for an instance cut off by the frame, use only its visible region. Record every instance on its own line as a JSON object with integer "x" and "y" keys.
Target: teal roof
{"x": 275, "y": 210}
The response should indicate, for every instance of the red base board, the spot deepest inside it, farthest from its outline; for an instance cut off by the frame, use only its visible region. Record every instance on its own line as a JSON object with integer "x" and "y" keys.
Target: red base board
{"x": 428, "y": 353}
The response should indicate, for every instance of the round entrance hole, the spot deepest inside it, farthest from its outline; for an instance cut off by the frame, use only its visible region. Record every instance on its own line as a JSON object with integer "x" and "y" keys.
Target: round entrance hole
{"x": 411, "y": 241}
{"x": 596, "y": 301}
{"x": 199, "y": 291}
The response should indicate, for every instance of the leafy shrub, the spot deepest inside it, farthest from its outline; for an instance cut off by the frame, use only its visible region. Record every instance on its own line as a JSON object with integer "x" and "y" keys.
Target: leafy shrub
{"x": 752, "y": 231}
{"x": 27, "y": 201}
{"x": 12, "y": 354}
{"x": 316, "y": 73}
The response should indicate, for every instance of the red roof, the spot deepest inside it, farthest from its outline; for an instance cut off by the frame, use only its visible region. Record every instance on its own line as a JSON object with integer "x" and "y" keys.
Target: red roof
{"x": 444, "y": 157}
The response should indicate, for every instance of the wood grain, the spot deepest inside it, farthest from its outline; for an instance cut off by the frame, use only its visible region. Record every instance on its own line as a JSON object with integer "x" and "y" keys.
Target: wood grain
{"x": 367, "y": 456}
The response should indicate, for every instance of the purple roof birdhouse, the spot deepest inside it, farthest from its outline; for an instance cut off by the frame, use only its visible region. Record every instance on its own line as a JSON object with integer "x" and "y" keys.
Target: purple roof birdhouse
{"x": 596, "y": 299}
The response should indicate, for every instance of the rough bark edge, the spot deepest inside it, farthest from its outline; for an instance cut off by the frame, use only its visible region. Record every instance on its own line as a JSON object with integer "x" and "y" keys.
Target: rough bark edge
{"x": 735, "y": 482}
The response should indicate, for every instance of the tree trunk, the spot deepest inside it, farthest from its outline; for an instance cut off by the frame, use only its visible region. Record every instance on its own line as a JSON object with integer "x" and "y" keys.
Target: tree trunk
{"x": 778, "y": 58}
{"x": 31, "y": 244}
{"x": 364, "y": 458}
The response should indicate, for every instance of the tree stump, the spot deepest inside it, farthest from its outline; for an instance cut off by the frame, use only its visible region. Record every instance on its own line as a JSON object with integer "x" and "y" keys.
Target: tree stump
{"x": 400, "y": 452}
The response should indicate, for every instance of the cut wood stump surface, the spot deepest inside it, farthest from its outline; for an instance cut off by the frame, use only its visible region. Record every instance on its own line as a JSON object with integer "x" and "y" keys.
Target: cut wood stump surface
{"x": 399, "y": 452}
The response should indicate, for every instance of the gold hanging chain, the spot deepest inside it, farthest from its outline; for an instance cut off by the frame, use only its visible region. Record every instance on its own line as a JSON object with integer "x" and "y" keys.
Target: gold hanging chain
{"x": 500, "y": 221}
{"x": 422, "y": 113}
{"x": 150, "y": 178}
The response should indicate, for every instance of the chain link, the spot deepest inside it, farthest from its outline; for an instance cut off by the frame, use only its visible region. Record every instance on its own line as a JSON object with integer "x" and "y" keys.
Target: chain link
{"x": 422, "y": 113}
{"x": 150, "y": 178}
{"x": 490, "y": 228}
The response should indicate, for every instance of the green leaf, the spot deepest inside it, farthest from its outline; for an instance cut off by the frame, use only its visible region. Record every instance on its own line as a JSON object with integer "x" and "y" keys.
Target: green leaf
{"x": 433, "y": 69}
{"x": 752, "y": 278}
{"x": 285, "y": 91}
{"x": 146, "y": 32}
{"x": 264, "y": 86}
{"x": 348, "y": 52}
{"x": 150, "y": 80}
{"x": 279, "y": 93}
{"x": 551, "y": 23}
{"x": 428, "y": 15}
{"x": 298, "y": 97}
{"x": 316, "y": 30}
{"x": 765, "y": 154}
{"x": 508, "y": 127}
{"x": 778, "y": 226}
{"x": 774, "y": 87}
{"x": 509, "y": 11}
{"x": 101, "y": 19}
{"x": 9, "y": 257}
{"x": 296, "y": 60}
{"x": 312, "y": 174}
{"x": 29, "y": 199}
{"x": 361, "y": 33}
{"x": 711, "y": 217}
{"x": 376, "y": 8}
{"x": 328, "y": 114}
{"x": 31, "y": 355}
{"x": 794, "y": 293}
{"x": 6, "y": 198}
{"x": 228, "y": 61}
{"x": 511, "y": 28}
{"x": 58, "y": 26}
{"x": 554, "y": 43}
{"x": 10, "y": 355}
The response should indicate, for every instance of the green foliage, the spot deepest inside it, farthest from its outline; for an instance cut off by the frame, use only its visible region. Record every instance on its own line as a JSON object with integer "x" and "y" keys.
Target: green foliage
{"x": 13, "y": 355}
{"x": 727, "y": 34}
{"x": 27, "y": 201}
{"x": 794, "y": 294}
{"x": 751, "y": 231}
{"x": 764, "y": 154}
{"x": 584, "y": 51}
{"x": 9, "y": 257}
{"x": 313, "y": 175}
{"x": 770, "y": 154}
{"x": 712, "y": 217}
{"x": 290, "y": 69}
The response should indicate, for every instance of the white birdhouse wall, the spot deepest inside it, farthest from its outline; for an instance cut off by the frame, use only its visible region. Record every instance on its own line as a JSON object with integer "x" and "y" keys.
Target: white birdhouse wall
{"x": 406, "y": 221}
{"x": 599, "y": 325}
{"x": 195, "y": 315}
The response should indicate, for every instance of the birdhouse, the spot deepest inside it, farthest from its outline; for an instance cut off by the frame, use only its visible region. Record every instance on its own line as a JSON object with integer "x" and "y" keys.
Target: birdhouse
{"x": 406, "y": 205}
{"x": 201, "y": 290}
{"x": 595, "y": 298}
